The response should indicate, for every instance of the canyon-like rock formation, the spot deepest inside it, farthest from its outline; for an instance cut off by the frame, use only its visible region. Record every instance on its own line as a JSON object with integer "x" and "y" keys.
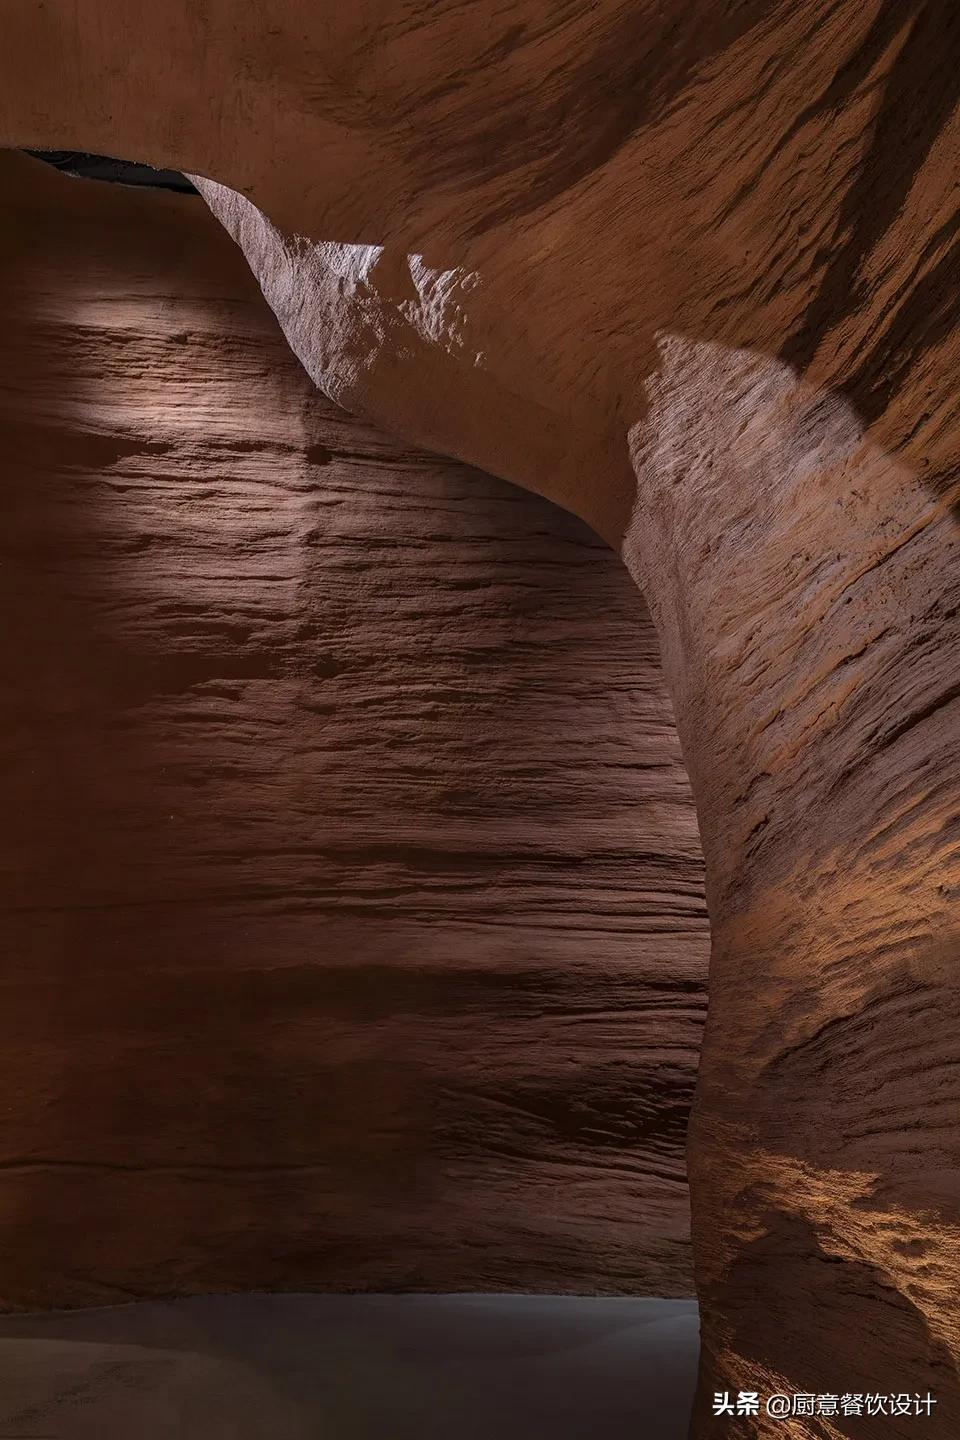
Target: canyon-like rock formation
{"x": 354, "y": 931}
{"x": 692, "y": 272}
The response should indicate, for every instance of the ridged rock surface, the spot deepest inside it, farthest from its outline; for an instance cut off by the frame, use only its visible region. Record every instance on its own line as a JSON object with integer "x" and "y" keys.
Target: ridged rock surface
{"x": 694, "y": 272}
{"x": 354, "y": 930}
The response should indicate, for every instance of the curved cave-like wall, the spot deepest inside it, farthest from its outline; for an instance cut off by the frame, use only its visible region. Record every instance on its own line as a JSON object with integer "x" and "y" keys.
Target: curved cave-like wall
{"x": 691, "y": 272}
{"x": 354, "y": 921}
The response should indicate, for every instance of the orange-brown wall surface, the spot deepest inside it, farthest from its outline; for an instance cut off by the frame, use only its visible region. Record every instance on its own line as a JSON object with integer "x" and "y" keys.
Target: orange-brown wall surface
{"x": 353, "y": 921}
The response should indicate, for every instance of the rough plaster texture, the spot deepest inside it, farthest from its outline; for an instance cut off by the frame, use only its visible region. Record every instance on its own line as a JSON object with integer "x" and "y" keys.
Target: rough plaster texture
{"x": 695, "y": 275}
{"x": 354, "y": 927}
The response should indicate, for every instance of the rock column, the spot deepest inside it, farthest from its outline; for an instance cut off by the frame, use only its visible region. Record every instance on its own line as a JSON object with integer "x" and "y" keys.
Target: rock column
{"x": 806, "y": 587}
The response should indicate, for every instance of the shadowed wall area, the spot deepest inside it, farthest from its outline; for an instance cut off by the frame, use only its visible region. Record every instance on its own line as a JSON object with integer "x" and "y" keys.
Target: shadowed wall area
{"x": 690, "y": 271}
{"x": 354, "y": 929}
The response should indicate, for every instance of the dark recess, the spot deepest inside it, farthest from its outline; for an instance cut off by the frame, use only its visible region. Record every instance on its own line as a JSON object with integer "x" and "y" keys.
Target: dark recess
{"x": 119, "y": 172}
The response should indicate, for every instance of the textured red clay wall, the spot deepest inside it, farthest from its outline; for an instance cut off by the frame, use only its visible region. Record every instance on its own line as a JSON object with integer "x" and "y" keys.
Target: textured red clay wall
{"x": 354, "y": 932}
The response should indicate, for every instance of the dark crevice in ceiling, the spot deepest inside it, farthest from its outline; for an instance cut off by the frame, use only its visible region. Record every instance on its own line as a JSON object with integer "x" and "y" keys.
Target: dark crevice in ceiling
{"x": 118, "y": 172}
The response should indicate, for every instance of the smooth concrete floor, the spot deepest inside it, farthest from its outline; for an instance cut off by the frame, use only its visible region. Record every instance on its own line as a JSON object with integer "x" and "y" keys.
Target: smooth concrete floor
{"x": 352, "y": 1367}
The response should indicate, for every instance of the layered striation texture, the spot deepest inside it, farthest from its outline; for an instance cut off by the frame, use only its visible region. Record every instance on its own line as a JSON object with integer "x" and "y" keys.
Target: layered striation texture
{"x": 749, "y": 305}
{"x": 818, "y": 699}
{"x": 354, "y": 932}
{"x": 692, "y": 271}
